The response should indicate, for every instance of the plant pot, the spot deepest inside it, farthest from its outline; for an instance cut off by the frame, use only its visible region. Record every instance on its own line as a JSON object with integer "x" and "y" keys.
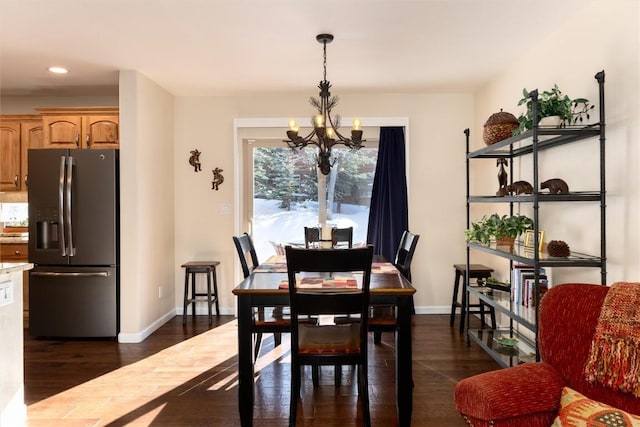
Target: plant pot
{"x": 505, "y": 242}
{"x": 550, "y": 122}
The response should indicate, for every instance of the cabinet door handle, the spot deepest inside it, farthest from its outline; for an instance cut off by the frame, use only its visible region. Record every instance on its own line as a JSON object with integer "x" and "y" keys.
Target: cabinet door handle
{"x": 77, "y": 140}
{"x": 16, "y": 181}
{"x": 88, "y": 141}
{"x": 18, "y": 252}
{"x": 26, "y": 180}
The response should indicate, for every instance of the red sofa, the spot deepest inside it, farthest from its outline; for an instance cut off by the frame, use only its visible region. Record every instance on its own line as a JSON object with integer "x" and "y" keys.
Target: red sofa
{"x": 529, "y": 394}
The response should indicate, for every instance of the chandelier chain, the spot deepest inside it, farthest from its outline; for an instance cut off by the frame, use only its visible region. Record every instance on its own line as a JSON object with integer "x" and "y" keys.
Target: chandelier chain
{"x": 324, "y": 62}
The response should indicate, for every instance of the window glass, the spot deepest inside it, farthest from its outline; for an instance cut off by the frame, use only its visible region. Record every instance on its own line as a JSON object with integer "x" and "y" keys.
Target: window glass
{"x": 287, "y": 188}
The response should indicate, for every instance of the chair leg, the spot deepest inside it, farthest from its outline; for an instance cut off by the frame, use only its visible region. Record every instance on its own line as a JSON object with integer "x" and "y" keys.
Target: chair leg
{"x": 363, "y": 394}
{"x": 377, "y": 337}
{"x": 315, "y": 375}
{"x": 258, "y": 344}
{"x": 277, "y": 339}
{"x": 295, "y": 393}
{"x": 337, "y": 375}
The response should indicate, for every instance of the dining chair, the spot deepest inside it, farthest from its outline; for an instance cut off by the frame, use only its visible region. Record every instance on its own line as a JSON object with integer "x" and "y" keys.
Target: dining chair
{"x": 311, "y": 236}
{"x": 325, "y": 342}
{"x": 341, "y": 236}
{"x": 275, "y": 323}
{"x": 404, "y": 254}
{"x": 382, "y": 318}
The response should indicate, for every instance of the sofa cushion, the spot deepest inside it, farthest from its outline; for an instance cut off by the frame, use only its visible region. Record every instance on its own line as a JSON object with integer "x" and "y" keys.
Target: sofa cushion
{"x": 499, "y": 395}
{"x": 578, "y": 410}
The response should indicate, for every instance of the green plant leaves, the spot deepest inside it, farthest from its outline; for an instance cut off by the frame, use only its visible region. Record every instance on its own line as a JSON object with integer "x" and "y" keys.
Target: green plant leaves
{"x": 552, "y": 103}
{"x": 495, "y": 226}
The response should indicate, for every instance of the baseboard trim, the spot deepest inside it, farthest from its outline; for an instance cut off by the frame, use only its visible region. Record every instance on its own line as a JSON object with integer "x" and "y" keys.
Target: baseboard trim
{"x": 435, "y": 309}
{"x": 132, "y": 338}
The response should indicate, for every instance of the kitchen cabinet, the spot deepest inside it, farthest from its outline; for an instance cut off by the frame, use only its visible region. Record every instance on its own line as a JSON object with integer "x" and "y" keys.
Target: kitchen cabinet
{"x": 80, "y": 127}
{"x": 14, "y": 252}
{"x": 507, "y": 298}
{"x": 18, "y": 133}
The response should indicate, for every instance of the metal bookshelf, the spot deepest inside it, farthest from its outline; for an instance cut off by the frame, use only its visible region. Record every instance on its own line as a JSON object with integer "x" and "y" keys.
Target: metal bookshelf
{"x": 523, "y": 320}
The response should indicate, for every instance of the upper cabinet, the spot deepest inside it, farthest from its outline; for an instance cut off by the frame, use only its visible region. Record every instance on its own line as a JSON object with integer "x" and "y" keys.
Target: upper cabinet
{"x": 18, "y": 133}
{"x": 80, "y": 127}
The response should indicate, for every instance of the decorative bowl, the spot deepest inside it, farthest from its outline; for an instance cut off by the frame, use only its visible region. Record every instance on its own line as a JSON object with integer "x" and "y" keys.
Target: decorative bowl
{"x": 506, "y": 342}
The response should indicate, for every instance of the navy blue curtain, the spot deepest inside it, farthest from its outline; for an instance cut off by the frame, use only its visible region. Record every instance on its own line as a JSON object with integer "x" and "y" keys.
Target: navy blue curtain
{"x": 388, "y": 213}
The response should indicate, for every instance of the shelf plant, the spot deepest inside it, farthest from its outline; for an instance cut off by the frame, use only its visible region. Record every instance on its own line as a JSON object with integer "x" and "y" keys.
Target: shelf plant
{"x": 498, "y": 227}
{"x": 552, "y": 103}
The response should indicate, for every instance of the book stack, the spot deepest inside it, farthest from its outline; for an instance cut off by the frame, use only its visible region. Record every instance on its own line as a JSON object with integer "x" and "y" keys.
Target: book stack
{"x": 523, "y": 285}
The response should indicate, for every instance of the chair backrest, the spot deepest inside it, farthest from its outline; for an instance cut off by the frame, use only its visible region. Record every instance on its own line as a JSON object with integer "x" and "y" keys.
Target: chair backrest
{"x": 246, "y": 253}
{"x": 342, "y": 235}
{"x": 311, "y": 236}
{"x": 327, "y": 265}
{"x": 404, "y": 254}
{"x": 568, "y": 318}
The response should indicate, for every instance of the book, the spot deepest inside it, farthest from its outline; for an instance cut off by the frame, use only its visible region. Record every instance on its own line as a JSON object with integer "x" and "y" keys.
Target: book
{"x": 520, "y": 292}
{"x": 529, "y": 288}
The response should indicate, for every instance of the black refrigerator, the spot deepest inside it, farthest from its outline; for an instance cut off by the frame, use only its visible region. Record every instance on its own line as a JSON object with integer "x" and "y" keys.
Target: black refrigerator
{"x": 74, "y": 229}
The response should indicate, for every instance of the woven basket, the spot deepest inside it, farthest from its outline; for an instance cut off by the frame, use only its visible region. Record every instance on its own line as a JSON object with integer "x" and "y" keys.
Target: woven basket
{"x": 498, "y": 127}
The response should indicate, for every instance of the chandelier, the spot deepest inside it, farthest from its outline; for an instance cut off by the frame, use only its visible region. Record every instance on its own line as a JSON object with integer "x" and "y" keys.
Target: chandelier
{"x": 325, "y": 132}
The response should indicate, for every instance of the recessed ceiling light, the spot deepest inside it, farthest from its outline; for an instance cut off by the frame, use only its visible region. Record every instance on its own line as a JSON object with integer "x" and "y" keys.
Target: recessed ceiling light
{"x": 58, "y": 70}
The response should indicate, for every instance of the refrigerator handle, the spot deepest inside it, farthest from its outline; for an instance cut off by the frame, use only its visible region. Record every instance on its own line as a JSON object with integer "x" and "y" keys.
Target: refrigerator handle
{"x": 73, "y": 274}
{"x": 72, "y": 249}
{"x": 61, "y": 196}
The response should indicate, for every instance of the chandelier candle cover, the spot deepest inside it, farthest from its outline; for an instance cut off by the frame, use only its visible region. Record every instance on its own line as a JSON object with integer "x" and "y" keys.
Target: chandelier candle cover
{"x": 325, "y": 132}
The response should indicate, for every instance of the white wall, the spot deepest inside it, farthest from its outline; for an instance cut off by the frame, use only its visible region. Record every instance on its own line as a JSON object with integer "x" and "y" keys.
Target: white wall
{"x": 147, "y": 206}
{"x": 436, "y": 179}
{"x": 604, "y": 36}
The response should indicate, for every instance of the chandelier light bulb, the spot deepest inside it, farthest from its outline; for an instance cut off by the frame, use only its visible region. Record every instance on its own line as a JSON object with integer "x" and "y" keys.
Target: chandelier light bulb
{"x": 293, "y": 125}
{"x": 330, "y": 133}
{"x": 319, "y": 119}
{"x": 357, "y": 124}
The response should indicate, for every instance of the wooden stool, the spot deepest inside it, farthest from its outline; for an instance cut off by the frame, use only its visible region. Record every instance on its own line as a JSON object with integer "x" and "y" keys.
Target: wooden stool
{"x": 197, "y": 267}
{"x": 476, "y": 271}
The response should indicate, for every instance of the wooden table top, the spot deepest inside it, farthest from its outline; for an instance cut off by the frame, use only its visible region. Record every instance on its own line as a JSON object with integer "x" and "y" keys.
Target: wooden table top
{"x": 384, "y": 281}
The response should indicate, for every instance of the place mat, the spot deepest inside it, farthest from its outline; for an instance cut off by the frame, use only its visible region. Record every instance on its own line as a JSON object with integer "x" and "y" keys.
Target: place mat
{"x": 278, "y": 264}
{"x": 383, "y": 268}
{"x": 321, "y": 282}
{"x": 275, "y": 264}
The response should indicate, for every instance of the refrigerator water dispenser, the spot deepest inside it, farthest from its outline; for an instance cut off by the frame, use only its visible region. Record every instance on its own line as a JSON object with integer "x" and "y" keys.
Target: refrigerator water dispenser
{"x": 47, "y": 229}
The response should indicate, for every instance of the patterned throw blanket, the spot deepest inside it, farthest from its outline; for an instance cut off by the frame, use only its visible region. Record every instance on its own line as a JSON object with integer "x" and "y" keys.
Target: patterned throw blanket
{"x": 614, "y": 360}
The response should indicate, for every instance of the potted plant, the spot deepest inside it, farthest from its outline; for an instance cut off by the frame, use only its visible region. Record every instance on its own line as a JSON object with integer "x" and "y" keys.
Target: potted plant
{"x": 552, "y": 103}
{"x": 504, "y": 229}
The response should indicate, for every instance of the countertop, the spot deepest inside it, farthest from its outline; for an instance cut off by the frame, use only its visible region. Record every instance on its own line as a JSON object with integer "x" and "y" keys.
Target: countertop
{"x": 12, "y": 267}
{"x": 14, "y": 237}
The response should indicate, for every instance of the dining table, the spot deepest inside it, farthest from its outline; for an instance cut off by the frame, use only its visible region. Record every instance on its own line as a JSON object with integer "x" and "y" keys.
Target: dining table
{"x": 262, "y": 288}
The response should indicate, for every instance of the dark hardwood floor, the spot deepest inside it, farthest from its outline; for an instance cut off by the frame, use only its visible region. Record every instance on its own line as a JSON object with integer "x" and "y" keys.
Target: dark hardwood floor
{"x": 186, "y": 376}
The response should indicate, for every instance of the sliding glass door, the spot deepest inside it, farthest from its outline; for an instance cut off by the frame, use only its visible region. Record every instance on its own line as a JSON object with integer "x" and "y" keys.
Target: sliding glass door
{"x": 284, "y": 192}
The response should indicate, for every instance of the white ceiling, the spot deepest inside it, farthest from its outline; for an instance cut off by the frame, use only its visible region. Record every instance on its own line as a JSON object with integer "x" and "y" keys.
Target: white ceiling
{"x": 222, "y": 47}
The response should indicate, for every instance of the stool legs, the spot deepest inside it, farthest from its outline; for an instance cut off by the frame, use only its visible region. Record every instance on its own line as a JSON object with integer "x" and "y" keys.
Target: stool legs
{"x": 460, "y": 274}
{"x": 186, "y": 297}
{"x": 211, "y": 294}
{"x": 215, "y": 290}
{"x": 193, "y": 294}
{"x": 209, "y": 297}
{"x": 454, "y": 302}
